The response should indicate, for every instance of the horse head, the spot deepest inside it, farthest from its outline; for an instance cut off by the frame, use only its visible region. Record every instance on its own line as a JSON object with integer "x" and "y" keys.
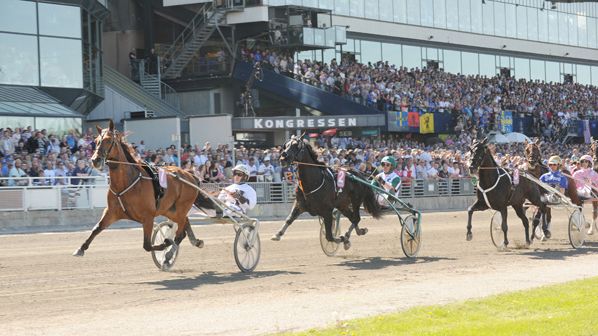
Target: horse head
{"x": 533, "y": 154}
{"x": 105, "y": 142}
{"x": 295, "y": 150}
{"x": 478, "y": 151}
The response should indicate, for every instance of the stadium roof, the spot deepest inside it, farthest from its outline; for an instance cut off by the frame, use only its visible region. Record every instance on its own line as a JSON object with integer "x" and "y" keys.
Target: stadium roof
{"x": 31, "y": 102}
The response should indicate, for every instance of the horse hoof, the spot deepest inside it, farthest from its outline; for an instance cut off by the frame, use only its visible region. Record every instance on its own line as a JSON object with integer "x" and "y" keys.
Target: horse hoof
{"x": 79, "y": 253}
{"x": 275, "y": 237}
{"x": 199, "y": 243}
{"x": 469, "y": 236}
{"x": 347, "y": 245}
{"x": 547, "y": 234}
{"x": 502, "y": 248}
{"x": 363, "y": 231}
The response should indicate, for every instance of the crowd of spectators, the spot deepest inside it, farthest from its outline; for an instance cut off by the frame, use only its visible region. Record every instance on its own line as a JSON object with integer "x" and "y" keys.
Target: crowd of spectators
{"x": 49, "y": 159}
{"x": 479, "y": 99}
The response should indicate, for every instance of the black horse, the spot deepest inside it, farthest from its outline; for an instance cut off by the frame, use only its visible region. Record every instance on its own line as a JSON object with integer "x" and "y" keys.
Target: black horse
{"x": 496, "y": 191}
{"x": 317, "y": 192}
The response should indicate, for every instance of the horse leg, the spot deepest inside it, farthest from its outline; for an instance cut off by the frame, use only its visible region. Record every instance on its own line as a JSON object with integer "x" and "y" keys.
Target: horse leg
{"x": 194, "y": 241}
{"x": 538, "y": 215}
{"x": 479, "y": 205}
{"x": 546, "y": 223}
{"x": 108, "y": 217}
{"x": 295, "y": 212}
{"x": 504, "y": 226}
{"x": 594, "y": 215}
{"x": 521, "y": 214}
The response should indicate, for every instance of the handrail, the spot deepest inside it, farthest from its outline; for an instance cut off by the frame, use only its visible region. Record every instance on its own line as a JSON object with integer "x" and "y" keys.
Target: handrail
{"x": 189, "y": 30}
{"x": 166, "y": 93}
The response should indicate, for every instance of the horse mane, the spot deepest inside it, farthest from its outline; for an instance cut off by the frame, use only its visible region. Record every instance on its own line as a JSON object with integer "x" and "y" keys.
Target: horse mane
{"x": 129, "y": 151}
{"x": 311, "y": 152}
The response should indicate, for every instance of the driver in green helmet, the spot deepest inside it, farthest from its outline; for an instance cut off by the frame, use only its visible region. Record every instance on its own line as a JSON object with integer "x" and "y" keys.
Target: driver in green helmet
{"x": 387, "y": 179}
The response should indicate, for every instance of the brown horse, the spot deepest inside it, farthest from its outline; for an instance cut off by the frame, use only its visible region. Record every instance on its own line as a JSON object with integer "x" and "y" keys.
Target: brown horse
{"x": 537, "y": 169}
{"x": 131, "y": 194}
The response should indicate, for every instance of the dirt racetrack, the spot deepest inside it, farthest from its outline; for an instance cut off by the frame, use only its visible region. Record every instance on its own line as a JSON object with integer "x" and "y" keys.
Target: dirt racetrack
{"x": 116, "y": 289}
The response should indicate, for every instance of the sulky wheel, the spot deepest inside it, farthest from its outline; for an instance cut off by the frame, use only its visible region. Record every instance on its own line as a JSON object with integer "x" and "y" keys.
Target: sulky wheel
{"x": 247, "y": 248}
{"x": 496, "y": 230}
{"x": 330, "y": 248}
{"x": 411, "y": 234}
{"x": 163, "y": 232}
{"x": 577, "y": 233}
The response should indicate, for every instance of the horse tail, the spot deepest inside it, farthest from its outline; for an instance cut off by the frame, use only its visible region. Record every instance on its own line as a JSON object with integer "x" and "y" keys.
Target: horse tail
{"x": 202, "y": 201}
{"x": 371, "y": 203}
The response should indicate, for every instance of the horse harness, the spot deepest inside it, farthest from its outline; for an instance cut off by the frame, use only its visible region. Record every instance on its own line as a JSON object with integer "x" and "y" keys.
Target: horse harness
{"x": 120, "y": 194}
{"x": 321, "y": 184}
{"x": 485, "y": 191}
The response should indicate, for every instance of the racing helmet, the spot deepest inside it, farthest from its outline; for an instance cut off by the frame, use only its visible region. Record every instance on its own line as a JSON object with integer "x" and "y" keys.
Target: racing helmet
{"x": 242, "y": 169}
{"x": 574, "y": 158}
{"x": 555, "y": 159}
{"x": 391, "y": 160}
{"x": 586, "y": 158}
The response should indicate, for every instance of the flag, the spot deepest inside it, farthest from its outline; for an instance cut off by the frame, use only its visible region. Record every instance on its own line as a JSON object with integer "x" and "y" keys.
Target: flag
{"x": 426, "y": 123}
{"x": 413, "y": 119}
{"x": 506, "y": 121}
{"x": 586, "y": 132}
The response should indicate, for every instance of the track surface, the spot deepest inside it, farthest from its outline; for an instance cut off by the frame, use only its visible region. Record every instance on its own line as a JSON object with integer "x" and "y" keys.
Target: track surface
{"x": 116, "y": 289}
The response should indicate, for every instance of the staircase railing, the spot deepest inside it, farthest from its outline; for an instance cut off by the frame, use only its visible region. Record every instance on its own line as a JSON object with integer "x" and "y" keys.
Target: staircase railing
{"x": 152, "y": 82}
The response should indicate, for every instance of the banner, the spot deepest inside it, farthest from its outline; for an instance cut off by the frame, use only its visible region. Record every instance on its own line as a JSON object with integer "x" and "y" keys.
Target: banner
{"x": 586, "y": 132}
{"x": 398, "y": 121}
{"x": 413, "y": 119}
{"x": 506, "y": 121}
{"x": 426, "y": 123}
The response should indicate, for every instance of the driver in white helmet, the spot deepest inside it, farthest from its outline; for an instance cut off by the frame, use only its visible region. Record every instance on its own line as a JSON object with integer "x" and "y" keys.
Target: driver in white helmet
{"x": 388, "y": 180}
{"x": 239, "y": 196}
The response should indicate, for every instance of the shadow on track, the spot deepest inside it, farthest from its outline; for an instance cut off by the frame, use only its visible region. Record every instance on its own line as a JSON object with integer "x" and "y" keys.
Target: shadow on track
{"x": 213, "y": 278}
{"x": 559, "y": 254}
{"x": 375, "y": 263}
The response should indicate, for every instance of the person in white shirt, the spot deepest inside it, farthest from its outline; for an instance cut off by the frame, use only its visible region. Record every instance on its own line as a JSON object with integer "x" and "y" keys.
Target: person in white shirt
{"x": 267, "y": 170}
{"x": 253, "y": 169}
{"x": 239, "y": 196}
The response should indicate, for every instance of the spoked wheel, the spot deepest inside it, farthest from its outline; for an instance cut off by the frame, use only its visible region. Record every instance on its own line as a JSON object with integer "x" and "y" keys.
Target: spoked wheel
{"x": 164, "y": 231}
{"x": 247, "y": 248}
{"x": 496, "y": 230}
{"x": 411, "y": 234}
{"x": 577, "y": 231}
{"x": 330, "y": 248}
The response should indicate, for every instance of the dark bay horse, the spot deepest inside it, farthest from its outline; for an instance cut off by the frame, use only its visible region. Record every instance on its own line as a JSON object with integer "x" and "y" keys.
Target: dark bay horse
{"x": 535, "y": 166}
{"x": 317, "y": 192}
{"x": 495, "y": 191}
{"x": 131, "y": 194}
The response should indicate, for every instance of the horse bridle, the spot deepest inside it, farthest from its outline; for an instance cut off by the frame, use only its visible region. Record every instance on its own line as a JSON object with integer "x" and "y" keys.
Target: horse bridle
{"x": 301, "y": 148}
{"x": 104, "y": 154}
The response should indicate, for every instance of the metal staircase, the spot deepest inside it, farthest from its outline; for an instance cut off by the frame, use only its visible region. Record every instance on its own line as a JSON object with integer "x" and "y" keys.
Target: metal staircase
{"x": 126, "y": 87}
{"x": 193, "y": 37}
{"x": 153, "y": 84}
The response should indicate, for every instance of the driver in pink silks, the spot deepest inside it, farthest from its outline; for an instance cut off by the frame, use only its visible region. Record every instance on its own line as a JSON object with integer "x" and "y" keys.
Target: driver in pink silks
{"x": 586, "y": 179}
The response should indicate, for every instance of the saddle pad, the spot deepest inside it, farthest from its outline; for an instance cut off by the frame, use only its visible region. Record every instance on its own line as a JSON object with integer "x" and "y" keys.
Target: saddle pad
{"x": 162, "y": 177}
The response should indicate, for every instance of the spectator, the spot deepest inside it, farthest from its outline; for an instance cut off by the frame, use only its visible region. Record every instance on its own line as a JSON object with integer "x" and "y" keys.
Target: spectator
{"x": 80, "y": 171}
{"x": 18, "y": 173}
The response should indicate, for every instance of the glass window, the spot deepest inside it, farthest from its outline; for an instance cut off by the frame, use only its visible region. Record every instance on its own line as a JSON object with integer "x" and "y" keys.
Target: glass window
{"x": 427, "y": 13}
{"x": 582, "y": 31}
{"x": 499, "y": 18}
{"x": 504, "y": 61}
{"x": 572, "y": 20}
{"x": 552, "y": 72}
{"x": 521, "y": 22}
{"x": 18, "y": 16}
{"x": 487, "y": 65}
{"x": 326, "y": 4}
{"x": 341, "y": 7}
{"x": 392, "y": 53}
{"x": 592, "y": 36}
{"x": 595, "y": 75}
{"x": 386, "y": 10}
{"x": 543, "y": 25}
{"x": 400, "y": 11}
{"x": 583, "y": 74}
{"x": 488, "y": 13}
{"x": 329, "y": 54}
{"x": 305, "y": 55}
{"x": 371, "y": 51}
{"x": 412, "y": 57}
{"x": 61, "y": 62}
{"x": 522, "y": 67}
{"x": 18, "y": 60}
{"x": 371, "y": 10}
{"x": 439, "y": 14}
{"x": 310, "y": 3}
{"x": 563, "y": 28}
{"x": 452, "y": 61}
{"x": 356, "y": 8}
{"x": 567, "y": 68}
{"x": 553, "y": 27}
{"x": 431, "y": 54}
{"x": 537, "y": 70}
{"x": 511, "y": 23}
{"x": 532, "y": 23}
{"x": 59, "y": 20}
{"x": 452, "y": 16}
{"x": 464, "y": 16}
{"x": 413, "y": 14}
{"x": 476, "y": 16}
{"x": 469, "y": 63}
